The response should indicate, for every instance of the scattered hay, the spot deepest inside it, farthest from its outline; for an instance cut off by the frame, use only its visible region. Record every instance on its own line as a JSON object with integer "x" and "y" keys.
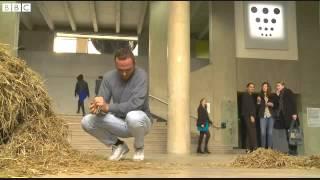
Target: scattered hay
{"x": 267, "y": 158}
{"x": 33, "y": 140}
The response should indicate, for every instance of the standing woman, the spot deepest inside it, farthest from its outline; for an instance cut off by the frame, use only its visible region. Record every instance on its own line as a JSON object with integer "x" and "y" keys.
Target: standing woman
{"x": 82, "y": 90}
{"x": 279, "y": 135}
{"x": 266, "y": 105}
{"x": 203, "y": 125}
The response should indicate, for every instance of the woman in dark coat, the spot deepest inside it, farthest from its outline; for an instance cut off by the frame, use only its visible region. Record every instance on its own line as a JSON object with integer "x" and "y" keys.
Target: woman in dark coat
{"x": 203, "y": 123}
{"x": 287, "y": 111}
{"x": 82, "y": 90}
{"x": 279, "y": 135}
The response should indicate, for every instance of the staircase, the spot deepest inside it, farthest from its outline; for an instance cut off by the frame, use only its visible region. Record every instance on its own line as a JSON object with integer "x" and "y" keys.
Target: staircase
{"x": 155, "y": 141}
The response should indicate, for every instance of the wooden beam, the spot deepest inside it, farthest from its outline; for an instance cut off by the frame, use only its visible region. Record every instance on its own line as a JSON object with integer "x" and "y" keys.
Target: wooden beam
{"x": 142, "y": 17}
{"x": 93, "y": 15}
{"x": 67, "y": 9}
{"x": 43, "y": 10}
{"x": 117, "y": 16}
{"x": 26, "y": 20}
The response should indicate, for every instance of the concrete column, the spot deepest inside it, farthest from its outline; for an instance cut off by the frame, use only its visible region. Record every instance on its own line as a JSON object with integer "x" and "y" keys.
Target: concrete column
{"x": 224, "y": 78}
{"x": 9, "y": 29}
{"x": 158, "y": 76}
{"x": 178, "y": 77}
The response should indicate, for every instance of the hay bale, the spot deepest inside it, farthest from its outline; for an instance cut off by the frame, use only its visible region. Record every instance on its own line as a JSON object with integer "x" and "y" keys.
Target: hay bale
{"x": 24, "y": 103}
{"x": 268, "y": 158}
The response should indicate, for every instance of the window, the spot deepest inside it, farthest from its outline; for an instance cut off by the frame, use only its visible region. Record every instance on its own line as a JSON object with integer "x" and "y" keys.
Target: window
{"x": 91, "y": 48}
{"x": 135, "y": 51}
{"x": 65, "y": 45}
{"x": 75, "y": 43}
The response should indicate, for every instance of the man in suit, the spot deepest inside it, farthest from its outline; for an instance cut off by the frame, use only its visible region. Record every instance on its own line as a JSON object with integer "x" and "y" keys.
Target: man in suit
{"x": 248, "y": 113}
{"x": 287, "y": 111}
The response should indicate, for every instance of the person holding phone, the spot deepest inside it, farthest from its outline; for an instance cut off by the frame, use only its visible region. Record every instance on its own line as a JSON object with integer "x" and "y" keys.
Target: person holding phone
{"x": 203, "y": 123}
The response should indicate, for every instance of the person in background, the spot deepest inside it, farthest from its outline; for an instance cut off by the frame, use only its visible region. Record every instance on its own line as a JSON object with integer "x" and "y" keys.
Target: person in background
{"x": 248, "y": 113}
{"x": 98, "y": 83}
{"x": 203, "y": 123}
{"x": 279, "y": 134}
{"x": 266, "y": 113}
{"x": 82, "y": 90}
{"x": 287, "y": 111}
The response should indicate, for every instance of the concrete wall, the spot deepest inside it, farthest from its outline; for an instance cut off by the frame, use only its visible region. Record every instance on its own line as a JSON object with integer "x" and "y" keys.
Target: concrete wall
{"x": 158, "y": 27}
{"x": 309, "y": 64}
{"x": 260, "y": 70}
{"x": 36, "y": 40}
{"x": 9, "y": 29}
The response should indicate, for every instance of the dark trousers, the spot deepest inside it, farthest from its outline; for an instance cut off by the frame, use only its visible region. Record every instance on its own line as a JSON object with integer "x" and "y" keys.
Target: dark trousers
{"x": 251, "y": 134}
{"x": 207, "y": 133}
{"x": 81, "y": 104}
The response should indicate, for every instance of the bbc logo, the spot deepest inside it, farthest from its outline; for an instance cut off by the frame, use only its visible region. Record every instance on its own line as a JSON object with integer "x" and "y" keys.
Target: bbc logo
{"x": 16, "y": 7}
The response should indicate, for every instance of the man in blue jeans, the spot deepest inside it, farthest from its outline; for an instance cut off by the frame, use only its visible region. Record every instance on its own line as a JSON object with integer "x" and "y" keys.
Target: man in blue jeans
{"x": 128, "y": 115}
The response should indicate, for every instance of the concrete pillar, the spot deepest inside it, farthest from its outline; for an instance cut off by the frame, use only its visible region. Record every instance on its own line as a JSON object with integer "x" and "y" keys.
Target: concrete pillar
{"x": 158, "y": 76}
{"x": 224, "y": 78}
{"x": 9, "y": 29}
{"x": 178, "y": 77}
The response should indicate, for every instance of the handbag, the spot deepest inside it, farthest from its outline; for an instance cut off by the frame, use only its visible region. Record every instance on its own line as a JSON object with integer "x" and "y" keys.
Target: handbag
{"x": 203, "y": 129}
{"x": 295, "y": 134}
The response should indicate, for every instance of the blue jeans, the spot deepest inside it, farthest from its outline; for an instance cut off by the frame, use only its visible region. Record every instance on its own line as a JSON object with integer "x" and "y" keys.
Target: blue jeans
{"x": 108, "y": 128}
{"x": 266, "y": 126}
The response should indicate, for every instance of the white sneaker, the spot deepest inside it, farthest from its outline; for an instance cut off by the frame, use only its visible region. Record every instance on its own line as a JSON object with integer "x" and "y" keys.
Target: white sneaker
{"x": 118, "y": 152}
{"x": 138, "y": 155}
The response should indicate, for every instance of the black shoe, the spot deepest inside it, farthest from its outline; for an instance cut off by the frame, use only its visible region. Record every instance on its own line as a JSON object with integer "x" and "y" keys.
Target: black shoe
{"x": 207, "y": 151}
{"x": 200, "y": 152}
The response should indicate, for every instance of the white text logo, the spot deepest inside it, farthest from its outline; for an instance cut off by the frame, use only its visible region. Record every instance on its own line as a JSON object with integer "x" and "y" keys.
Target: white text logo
{"x": 16, "y": 7}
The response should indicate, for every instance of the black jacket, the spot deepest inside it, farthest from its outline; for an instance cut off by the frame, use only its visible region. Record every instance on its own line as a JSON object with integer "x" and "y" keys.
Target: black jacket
{"x": 287, "y": 106}
{"x": 262, "y": 105}
{"x": 81, "y": 85}
{"x": 248, "y": 105}
{"x": 203, "y": 116}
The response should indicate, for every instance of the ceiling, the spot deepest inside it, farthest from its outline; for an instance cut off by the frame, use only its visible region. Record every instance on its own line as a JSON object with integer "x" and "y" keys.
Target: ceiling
{"x": 120, "y": 17}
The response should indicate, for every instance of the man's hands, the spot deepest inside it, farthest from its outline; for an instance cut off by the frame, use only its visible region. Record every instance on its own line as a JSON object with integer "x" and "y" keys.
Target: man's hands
{"x": 98, "y": 104}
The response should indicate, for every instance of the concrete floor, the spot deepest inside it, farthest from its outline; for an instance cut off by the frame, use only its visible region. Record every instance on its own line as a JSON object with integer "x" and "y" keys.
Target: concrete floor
{"x": 198, "y": 166}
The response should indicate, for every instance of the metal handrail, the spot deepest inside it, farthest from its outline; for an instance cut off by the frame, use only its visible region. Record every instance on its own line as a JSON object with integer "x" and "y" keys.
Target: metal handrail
{"x": 159, "y": 99}
{"x": 164, "y": 102}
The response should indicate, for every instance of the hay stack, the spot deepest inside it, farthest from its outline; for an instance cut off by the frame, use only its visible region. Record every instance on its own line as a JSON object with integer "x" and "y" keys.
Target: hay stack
{"x": 267, "y": 158}
{"x": 27, "y": 119}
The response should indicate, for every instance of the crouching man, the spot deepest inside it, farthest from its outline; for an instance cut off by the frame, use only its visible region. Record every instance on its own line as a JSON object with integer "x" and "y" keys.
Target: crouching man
{"x": 128, "y": 115}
